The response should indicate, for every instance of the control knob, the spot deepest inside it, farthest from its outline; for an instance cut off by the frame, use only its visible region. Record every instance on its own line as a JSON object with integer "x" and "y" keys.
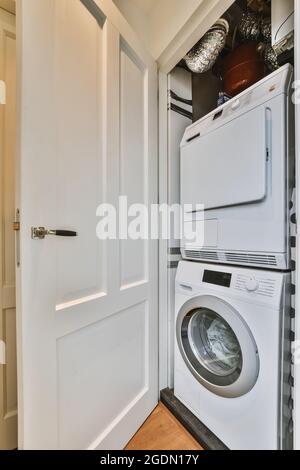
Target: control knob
{"x": 252, "y": 284}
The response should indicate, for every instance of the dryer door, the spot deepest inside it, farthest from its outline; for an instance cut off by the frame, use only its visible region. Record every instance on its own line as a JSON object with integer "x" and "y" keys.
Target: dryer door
{"x": 227, "y": 166}
{"x": 218, "y": 347}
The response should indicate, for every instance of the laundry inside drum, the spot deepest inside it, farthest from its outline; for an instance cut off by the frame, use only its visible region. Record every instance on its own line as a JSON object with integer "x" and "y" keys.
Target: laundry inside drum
{"x": 214, "y": 343}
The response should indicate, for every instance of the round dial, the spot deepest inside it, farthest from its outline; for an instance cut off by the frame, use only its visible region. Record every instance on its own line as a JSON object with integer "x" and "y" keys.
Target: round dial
{"x": 252, "y": 284}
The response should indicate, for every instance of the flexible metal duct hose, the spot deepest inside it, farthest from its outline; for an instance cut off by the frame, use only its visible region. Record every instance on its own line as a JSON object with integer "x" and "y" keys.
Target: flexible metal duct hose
{"x": 204, "y": 55}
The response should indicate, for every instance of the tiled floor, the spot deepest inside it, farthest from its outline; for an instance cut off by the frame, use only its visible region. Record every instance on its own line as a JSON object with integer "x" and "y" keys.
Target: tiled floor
{"x": 162, "y": 431}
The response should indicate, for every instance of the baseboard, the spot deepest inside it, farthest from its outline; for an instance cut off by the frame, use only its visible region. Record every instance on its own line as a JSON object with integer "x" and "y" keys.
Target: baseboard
{"x": 201, "y": 433}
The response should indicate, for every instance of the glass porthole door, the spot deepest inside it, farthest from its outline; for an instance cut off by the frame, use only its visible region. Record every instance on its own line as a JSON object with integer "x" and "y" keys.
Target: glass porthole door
{"x": 218, "y": 347}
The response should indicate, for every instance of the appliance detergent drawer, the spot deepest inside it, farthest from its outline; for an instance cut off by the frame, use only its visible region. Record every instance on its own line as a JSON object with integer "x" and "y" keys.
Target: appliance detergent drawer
{"x": 227, "y": 166}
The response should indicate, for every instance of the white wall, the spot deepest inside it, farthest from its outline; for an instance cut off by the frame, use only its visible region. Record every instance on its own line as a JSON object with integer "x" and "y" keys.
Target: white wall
{"x": 179, "y": 81}
{"x": 166, "y": 19}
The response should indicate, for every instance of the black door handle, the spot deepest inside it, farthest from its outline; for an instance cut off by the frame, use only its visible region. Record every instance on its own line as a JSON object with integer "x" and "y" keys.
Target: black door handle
{"x": 65, "y": 233}
{"x": 41, "y": 232}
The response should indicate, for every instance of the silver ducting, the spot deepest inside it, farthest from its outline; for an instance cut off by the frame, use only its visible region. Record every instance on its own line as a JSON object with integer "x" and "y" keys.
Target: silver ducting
{"x": 266, "y": 29}
{"x": 249, "y": 27}
{"x": 204, "y": 55}
{"x": 270, "y": 58}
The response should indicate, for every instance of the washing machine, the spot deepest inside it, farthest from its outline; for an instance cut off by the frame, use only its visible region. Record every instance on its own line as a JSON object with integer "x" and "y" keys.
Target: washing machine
{"x": 232, "y": 353}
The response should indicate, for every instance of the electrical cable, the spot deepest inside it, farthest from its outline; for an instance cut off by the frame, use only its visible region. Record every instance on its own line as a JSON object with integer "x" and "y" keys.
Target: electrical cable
{"x": 281, "y": 26}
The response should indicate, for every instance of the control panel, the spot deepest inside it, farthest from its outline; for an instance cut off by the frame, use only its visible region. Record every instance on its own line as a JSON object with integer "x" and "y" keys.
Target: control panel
{"x": 265, "y": 90}
{"x": 261, "y": 285}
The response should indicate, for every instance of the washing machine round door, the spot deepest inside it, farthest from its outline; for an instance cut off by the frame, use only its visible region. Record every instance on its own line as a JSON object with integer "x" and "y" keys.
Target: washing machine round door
{"x": 218, "y": 347}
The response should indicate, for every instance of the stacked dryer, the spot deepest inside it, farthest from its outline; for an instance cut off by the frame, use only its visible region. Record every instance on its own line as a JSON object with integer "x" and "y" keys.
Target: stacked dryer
{"x": 232, "y": 352}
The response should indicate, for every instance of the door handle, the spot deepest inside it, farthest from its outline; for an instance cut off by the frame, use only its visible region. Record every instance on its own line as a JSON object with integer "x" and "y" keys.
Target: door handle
{"x": 39, "y": 233}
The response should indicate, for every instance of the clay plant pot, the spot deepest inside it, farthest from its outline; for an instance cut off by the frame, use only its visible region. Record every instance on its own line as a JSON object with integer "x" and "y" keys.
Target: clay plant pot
{"x": 243, "y": 67}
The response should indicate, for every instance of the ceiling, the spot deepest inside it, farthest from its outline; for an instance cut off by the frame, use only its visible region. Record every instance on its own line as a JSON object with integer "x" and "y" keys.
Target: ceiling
{"x": 145, "y": 5}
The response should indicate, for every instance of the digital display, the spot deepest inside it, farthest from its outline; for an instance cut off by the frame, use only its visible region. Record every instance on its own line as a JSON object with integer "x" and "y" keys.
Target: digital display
{"x": 217, "y": 278}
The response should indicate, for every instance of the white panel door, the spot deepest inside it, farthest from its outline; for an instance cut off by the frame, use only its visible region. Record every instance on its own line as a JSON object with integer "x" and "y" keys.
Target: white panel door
{"x": 88, "y": 313}
{"x": 8, "y": 360}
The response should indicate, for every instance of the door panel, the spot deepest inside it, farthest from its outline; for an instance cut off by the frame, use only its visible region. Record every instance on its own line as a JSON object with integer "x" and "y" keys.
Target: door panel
{"x": 8, "y": 372}
{"x": 80, "y": 180}
{"x": 88, "y": 312}
{"x": 115, "y": 355}
{"x": 133, "y": 184}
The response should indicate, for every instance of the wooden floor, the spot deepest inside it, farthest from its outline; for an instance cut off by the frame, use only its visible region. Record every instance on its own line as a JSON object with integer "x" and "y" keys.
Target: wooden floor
{"x": 162, "y": 431}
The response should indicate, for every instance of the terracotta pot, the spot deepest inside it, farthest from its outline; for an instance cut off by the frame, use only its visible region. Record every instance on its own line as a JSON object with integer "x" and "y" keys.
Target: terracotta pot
{"x": 243, "y": 67}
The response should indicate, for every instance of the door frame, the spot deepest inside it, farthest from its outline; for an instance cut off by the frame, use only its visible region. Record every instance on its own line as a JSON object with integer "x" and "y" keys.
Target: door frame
{"x": 9, "y": 416}
{"x": 297, "y": 277}
{"x": 206, "y": 15}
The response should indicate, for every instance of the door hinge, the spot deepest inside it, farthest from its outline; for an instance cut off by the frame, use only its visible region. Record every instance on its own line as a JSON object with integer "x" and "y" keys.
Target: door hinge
{"x": 2, "y": 92}
{"x": 2, "y": 353}
{"x": 17, "y": 228}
